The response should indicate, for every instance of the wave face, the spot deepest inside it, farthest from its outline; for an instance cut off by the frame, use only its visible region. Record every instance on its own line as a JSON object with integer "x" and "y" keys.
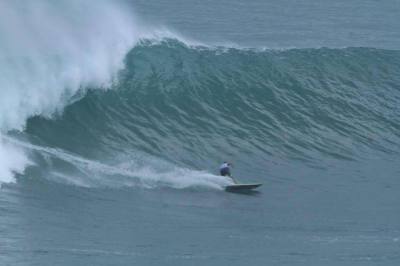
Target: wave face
{"x": 190, "y": 107}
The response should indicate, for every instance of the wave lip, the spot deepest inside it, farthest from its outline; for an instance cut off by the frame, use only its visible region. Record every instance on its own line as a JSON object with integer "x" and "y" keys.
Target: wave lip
{"x": 50, "y": 50}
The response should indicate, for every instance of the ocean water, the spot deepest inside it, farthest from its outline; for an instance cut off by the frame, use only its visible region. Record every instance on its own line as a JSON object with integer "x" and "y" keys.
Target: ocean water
{"x": 115, "y": 115}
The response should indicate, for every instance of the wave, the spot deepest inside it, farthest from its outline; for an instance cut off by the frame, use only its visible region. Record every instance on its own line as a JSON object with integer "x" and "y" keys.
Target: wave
{"x": 94, "y": 103}
{"x": 296, "y": 103}
{"x": 52, "y": 51}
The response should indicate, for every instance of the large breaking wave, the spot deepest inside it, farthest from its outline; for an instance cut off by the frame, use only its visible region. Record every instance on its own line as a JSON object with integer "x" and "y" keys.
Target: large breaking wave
{"x": 297, "y": 103}
{"x": 174, "y": 107}
{"x": 50, "y": 53}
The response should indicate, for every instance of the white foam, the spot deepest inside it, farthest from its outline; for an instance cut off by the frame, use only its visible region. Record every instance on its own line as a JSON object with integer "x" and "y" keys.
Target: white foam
{"x": 50, "y": 50}
{"x": 151, "y": 173}
{"x": 12, "y": 161}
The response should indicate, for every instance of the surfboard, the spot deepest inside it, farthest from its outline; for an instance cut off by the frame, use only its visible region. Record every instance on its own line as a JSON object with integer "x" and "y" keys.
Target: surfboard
{"x": 242, "y": 187}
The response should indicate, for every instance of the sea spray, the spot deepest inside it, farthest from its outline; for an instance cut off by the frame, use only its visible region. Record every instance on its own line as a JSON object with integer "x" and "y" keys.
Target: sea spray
{"x": 139, "y": 170}
{"x": 12, "y": 161}
{"x": 51, "y": 49}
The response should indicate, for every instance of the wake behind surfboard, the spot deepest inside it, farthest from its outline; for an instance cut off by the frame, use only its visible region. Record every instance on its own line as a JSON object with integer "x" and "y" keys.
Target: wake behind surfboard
{"x": 242, "y": 187}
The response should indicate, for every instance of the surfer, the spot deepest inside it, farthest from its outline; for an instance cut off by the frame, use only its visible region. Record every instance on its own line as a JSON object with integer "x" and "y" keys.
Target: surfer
{"x": 225, "y": 169}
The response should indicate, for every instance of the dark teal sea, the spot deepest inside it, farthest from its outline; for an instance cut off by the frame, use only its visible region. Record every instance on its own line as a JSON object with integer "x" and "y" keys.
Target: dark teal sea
{"x": 115, "y": 116}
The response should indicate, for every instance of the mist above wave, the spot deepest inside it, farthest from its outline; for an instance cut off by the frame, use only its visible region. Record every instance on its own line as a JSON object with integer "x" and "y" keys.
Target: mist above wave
{"x": 51, "y": 49}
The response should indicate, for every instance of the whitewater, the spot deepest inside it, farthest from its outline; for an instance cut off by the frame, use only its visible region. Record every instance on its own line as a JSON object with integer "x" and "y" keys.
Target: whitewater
{"x": 114, "y": 117}
{"x": 58, "y": 52}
